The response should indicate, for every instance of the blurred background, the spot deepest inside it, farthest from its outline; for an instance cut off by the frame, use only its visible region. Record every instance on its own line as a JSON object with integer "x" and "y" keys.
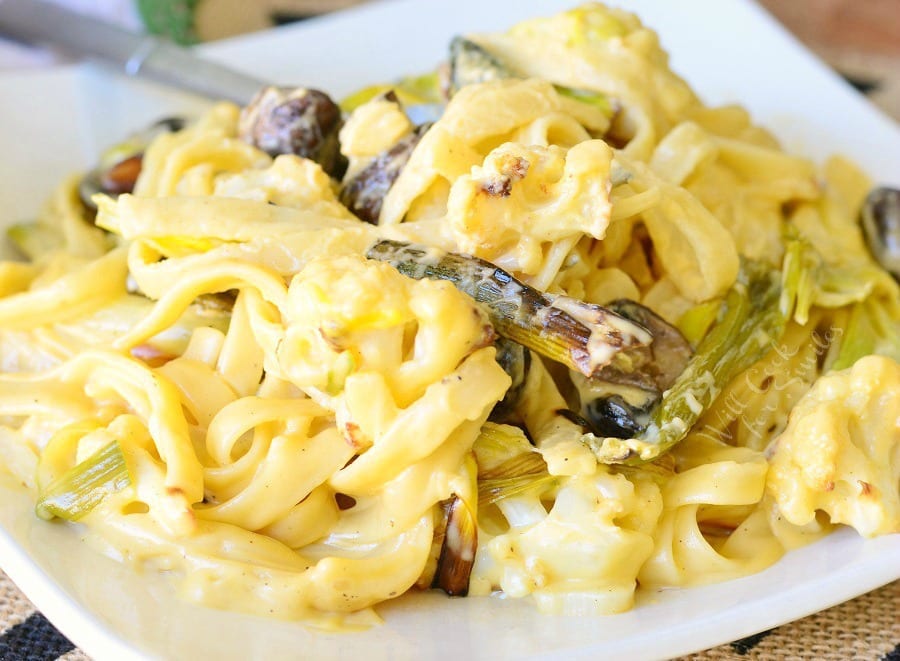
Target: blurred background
{"x": 859, "y": 38}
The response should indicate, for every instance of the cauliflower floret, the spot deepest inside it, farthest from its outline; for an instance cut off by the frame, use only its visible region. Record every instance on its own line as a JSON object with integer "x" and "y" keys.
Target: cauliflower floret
{"x": 405, "y": 365}
{"x": 349, "y": 315}
{"x": 370, "y": 129}
{"x": 583, "y": 555}
{"x": 840, "y": 452}
{"x": 290, "y": 181}
{"x": 521, "y": 197}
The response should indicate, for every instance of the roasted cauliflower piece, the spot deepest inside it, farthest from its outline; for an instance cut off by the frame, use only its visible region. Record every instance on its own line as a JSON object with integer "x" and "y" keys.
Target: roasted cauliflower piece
{"x": 840, "y": 453}
{"x": 523, "y": 196}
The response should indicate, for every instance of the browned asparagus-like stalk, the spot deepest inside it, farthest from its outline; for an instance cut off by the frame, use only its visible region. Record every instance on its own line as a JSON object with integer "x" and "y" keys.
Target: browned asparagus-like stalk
{"x": 582, "y": 336}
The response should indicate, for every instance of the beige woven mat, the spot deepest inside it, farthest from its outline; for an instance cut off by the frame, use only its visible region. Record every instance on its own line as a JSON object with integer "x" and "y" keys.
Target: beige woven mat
{"x": 867, "y": 628}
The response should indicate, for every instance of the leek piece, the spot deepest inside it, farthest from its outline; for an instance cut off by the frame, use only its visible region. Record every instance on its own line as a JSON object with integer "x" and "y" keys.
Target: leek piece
{"x": 497, "y": 489}
{"x": 526, "y": 463}
{"x": 33, "y": 239}
{"x": 873, "y": 328}
{"x": 496, "y": 443}
{"x": 870, "y": 294}
{"x": 591, "y": 97}
{"x": 410, "y": 91}
{"x": 695, "y": 323}
{"x": 507, "y": 464}
{"x": 79, "y": 490}
{"x": 808, "y": 280}
{"x": 798, "y": 279}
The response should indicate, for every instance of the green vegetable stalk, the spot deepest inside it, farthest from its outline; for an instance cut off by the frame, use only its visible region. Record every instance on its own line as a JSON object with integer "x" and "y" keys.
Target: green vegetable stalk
{"x": 581, "y": 336}
{"x": 873, "y": 328}
{"x": 507, "y": 464}
{"x": 79, "y": 490}
{"x": 870, "y": 295}
{"x": 750, "y": 320}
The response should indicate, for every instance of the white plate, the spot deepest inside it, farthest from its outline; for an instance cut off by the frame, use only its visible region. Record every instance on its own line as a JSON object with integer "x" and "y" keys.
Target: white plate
{"x": 730, "y": 51}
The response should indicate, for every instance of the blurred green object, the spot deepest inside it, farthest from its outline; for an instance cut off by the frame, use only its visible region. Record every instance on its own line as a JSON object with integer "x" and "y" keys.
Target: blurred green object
{"x": 173, "y": 19}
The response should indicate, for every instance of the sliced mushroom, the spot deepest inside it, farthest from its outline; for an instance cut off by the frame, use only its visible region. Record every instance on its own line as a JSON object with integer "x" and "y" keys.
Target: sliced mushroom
{"x": 614, "y": 417}
{"x": 460, "y": 543}
{"x": 881, "y": 224}
{"x": 364, "y": 193}
{"x": 664, "y": 359}
{"x": 295, "y": 120}
{"x": 617, "y": 400}
{"x": 515, "y": 361}
{"x": 120, "y": 166}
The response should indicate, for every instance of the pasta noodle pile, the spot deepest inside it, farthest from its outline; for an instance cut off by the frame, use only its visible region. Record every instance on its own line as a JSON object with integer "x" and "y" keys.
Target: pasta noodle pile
{"x": 304, "y": 432}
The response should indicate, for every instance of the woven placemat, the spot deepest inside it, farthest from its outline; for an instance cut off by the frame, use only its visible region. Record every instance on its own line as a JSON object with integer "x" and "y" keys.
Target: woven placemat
{"x": 866, "y": 628}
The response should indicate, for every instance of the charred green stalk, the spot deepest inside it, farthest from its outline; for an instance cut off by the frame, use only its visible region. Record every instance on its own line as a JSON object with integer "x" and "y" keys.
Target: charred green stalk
{"x": 582, "y": 336}
{"x": 749, "y": 321}
{"x": 79, "y": 490}
{"x": 364, "y": 193}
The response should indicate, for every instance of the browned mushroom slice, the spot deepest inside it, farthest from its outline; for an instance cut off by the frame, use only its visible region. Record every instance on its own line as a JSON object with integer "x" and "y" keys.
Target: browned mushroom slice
{"x": 122, "y": 177}
{"x": 120, "y": 167}
{"x": 295, "y": 120}
{"x": 667, "y": 356}
{"x": 364, "y": 193}
{"x": 617, "y": 400}
{"x": 515, "y": 361}
{"x": 458, "y": 550}
{"x": 881, "y": 224}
